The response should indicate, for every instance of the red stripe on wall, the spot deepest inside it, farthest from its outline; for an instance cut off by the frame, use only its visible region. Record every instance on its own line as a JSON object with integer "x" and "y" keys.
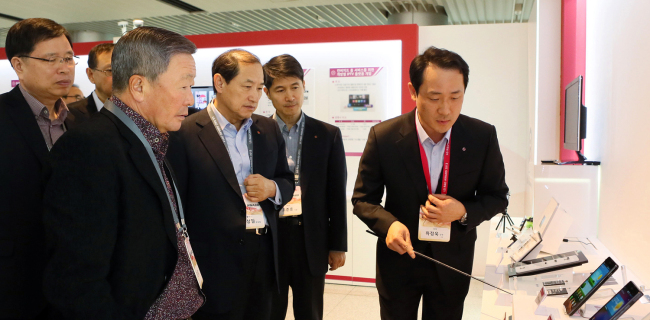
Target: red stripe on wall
{"x": 408, "y": 34}
{"x": 352, "y": 279}
{"x": 574, "y": 56}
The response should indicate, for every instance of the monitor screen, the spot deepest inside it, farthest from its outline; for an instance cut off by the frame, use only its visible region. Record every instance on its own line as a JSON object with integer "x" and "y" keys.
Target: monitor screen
{"x": 572, "y": 114}
{"x": 202, "y": 97}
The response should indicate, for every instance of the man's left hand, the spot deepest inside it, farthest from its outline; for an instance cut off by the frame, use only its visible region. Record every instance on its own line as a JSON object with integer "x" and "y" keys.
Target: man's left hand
{"x": 259, "y": 188}
{"x": 336, "y": 259}
{"x": 442, "y": 208}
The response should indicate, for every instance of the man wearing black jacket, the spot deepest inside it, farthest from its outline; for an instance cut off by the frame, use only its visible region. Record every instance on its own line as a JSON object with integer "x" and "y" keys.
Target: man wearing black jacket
{"x": 233, "y": 176}
{"x": 444, "y": 175}
{"x": 32, "y": 118}
{"x": 313, "y": 226}
{"x": 118, "y": 244}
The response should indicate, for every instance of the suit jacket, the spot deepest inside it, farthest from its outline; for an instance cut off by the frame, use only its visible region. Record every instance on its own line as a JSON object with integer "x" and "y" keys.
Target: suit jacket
{"x": 476, "y": 179}
{"x": 109, "y": 226}
{"x": 24, "y": 162}
{"x": 323, "y": 179}
{"x": 214, "y": 206}
{"x": 85, "y": 107}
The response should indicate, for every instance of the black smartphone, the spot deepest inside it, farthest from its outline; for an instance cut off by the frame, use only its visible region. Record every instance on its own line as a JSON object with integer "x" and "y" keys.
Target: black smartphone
{"x": 617, "y": 305}
{"x": 590, "y": 286}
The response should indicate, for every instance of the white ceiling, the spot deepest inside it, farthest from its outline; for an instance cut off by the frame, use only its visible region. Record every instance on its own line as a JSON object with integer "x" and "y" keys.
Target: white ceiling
{"x": 251, "y": 15}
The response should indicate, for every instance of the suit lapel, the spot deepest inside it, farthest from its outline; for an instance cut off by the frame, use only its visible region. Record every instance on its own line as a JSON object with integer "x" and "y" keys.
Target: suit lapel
{"x": 217, "y": 150}
{"x": 310, "y": 148}
{"x": 259, "y": 147}
{"x": 91, "y": 107}
{"x": 142, "y": 161}
{"x": 69, "y": 121}
{"x": 21, "y": 114}
{"x": 410, "y": 154}
{"x": 460, "y": 143}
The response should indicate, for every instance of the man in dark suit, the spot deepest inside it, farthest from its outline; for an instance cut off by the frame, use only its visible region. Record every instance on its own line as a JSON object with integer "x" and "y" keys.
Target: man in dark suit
{"x": 99, "y": 73}
{"x": 116, "y": 235}
{"x": 233, "y": 177}
{"x": 32, "y": 118}
{"x": 312, "y": 228}
{"x": 444, "y": 175}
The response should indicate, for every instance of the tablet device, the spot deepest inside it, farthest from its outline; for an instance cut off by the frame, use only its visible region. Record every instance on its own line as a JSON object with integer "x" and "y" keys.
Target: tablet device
{"x": 617, "y": 305}
{"x": 590, "y": 286}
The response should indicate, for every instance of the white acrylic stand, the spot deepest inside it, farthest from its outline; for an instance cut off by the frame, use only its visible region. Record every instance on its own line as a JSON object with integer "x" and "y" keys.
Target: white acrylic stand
{"x": 555, "y": 231}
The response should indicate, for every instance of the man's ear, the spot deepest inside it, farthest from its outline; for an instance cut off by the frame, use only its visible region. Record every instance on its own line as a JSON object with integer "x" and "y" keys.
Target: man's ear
{"x": 219, "y": 82}
{"x": 18, "y": 65}
{"x": 267, "y": 92}
{"x": 412, "y": 91}
{"x": 137, "y": 84}
{"x": 91, "y": 76}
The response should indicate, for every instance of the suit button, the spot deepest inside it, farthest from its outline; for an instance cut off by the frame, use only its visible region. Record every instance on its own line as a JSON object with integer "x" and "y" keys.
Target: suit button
{"x": 241, "y": 242}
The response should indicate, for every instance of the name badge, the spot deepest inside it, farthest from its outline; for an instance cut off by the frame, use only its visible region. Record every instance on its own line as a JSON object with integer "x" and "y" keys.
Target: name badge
{"x": 433, "y": 231}
{"x": 195, "y": 266}
{"x": 294, "y": 207}
{"x": 254, "y": 215}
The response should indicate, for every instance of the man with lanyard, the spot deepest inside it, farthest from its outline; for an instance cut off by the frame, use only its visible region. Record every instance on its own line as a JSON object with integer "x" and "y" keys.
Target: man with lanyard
{"x": 444, "y": 175}
{"x": 114, "y": 221}
{"x": 312, "y": 228}
{"x": 233, "y": 177}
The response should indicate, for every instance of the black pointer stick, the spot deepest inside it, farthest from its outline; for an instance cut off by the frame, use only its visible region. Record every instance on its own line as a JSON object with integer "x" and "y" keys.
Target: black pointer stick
{"x": 452, "y": 268}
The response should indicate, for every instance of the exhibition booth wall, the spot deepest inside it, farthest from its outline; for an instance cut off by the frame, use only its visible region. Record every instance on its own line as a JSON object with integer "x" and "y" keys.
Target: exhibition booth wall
{"x": 514, "y": 85}
{"x": 617, "y": 97}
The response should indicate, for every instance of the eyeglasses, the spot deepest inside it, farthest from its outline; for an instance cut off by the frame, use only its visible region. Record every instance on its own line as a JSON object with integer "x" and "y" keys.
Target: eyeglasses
{"x": 75, "y": 97}
{"x": 68, "y": 61}
{"x": 107, "y": 72}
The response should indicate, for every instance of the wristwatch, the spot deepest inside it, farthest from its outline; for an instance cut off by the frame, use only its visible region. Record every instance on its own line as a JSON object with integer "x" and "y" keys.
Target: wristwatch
{"x": 463, "y": 220}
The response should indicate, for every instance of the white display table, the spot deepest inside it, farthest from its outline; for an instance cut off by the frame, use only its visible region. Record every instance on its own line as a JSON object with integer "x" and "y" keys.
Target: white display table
{"x": 522, "y": 305}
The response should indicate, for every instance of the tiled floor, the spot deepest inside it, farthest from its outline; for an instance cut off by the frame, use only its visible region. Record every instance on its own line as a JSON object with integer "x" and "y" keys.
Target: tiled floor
{"x": 343, "y": 302}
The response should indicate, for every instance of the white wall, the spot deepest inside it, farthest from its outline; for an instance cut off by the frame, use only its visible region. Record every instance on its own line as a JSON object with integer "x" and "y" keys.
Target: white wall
{"x": 498, "y": 94}
{"x": 532, "y": 110}
{"x": 618, "y": 100}
{"x": 549, "y": 46}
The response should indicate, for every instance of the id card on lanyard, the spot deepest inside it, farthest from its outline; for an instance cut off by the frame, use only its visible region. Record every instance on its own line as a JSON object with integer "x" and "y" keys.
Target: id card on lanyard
{"x": 427, "y": 230}
{"x": 254, "y": 212}
{"x": 180, "y": 224}
{"x": 294, "y": 206}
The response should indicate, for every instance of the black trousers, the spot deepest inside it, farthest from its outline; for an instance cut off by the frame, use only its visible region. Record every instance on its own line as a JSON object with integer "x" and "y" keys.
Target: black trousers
{"x": 294, "y": 272}
{"x": 253, "y": 299}
{"x": 419, "y": 280}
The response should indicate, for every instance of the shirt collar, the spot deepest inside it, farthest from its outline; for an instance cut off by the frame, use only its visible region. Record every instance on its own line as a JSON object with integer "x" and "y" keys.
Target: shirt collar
{"x": 98, "y": 102}
{"x": 423, "y": 134}
{"x": 40, "y": 110}
{"x": 283, "y": 126}
{"x": 223, "y": 122}
{"x": 157, "y": 140}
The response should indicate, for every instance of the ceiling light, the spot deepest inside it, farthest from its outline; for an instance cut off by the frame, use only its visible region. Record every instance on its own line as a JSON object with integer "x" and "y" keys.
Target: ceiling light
{"x": 182, "y": 6}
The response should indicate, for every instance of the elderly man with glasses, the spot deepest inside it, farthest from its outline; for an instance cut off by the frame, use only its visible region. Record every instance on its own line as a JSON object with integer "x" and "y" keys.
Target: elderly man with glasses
{"x": 32, "y": 118}
{"x": 99, "y": 72}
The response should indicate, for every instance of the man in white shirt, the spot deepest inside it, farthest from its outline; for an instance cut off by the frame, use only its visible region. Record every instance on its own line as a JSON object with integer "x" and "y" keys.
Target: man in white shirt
{"x": 233, "y": 178}
{"x": 100, "y": 73}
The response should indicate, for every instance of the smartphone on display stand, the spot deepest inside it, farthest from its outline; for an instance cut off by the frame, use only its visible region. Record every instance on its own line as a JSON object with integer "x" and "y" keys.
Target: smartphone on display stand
{"x": 590, "y": 286}
{"x": 618, "y": 304}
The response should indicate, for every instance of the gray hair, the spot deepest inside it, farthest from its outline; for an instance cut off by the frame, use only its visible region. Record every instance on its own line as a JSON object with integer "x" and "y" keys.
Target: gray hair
{"x": 146, "y": 51}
